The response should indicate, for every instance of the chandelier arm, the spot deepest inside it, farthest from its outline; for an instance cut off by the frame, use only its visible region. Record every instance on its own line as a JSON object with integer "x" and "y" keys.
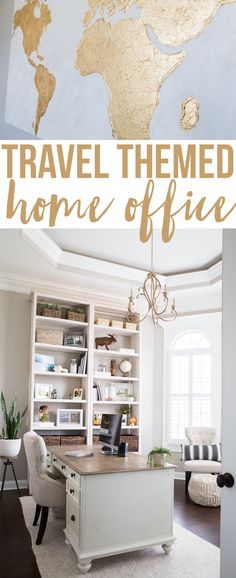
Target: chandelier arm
{"x": 151, "y": 291}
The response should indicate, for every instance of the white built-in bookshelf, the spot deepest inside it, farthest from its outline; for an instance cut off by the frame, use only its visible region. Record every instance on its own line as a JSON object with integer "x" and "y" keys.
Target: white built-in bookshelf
{"x": 100, "y": 386}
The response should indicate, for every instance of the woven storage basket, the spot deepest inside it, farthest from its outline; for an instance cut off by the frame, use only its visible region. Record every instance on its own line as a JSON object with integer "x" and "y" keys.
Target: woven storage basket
{"x": 132, "y": 441}
{"x": 56, "y": 313}
{"x": 51, "y": 336}
{"x": 74, "y": 316}
{"x": 96, "y": 440}
{"x": 51, "y": 440}
{"x": 73, "y": 440}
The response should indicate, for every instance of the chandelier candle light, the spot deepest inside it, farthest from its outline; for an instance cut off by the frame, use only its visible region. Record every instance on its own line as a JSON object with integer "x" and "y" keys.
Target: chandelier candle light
{"x": 151, "y": 298}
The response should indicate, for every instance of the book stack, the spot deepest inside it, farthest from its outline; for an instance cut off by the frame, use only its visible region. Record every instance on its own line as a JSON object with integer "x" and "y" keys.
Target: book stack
{"x": 82, "y": 363}
{"x": 97, "y": 393}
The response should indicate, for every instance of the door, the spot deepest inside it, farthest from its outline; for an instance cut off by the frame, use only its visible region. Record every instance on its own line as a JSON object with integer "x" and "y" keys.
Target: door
{"x": 228, "y": 510}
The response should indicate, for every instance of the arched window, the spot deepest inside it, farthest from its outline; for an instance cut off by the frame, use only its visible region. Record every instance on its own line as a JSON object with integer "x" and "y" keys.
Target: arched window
{"x": 190, "y": 384}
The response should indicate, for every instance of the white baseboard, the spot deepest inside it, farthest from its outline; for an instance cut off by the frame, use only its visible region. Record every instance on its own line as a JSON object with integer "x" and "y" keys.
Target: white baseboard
{"x": 179, "y": 476}
{"x": 11, "y": 485}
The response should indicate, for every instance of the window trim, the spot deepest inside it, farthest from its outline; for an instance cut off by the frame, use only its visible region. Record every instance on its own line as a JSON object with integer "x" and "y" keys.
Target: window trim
{"x": 190, "y": 352}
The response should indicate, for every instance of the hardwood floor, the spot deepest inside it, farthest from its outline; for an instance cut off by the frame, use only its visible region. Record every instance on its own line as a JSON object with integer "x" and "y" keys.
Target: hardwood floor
{"x": 205, "y": 522}
{"x": 17, "y": 557}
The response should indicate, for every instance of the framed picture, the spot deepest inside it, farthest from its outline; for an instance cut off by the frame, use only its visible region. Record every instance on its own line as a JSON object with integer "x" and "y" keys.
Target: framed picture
{"x": 43, "y": 390}
{"x": 75, "y": 339}
{"x": 78, "y": 394}
{"x": 124, "y": 420}
{"x": 70, "y": 418}
{"x": 122, "y": 393}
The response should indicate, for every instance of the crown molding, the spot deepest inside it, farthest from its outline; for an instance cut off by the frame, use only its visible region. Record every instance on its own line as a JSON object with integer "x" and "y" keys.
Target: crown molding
{"x": 77, "y": 264}
{"x": 43, "y": 244}
{"x": 195, "y": 279}
{"x": 27, "y": 285}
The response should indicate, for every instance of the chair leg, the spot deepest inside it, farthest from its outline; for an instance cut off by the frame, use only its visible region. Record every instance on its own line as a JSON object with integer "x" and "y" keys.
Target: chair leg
{"x": 37, "y": 514}
{"x": 43, "y": 524}
{"x": 187, "y": 478}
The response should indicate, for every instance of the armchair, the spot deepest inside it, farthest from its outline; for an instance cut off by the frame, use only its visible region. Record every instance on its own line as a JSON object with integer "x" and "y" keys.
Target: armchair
{"x": 201, "y": 436}
{"x": 46, "y": 491}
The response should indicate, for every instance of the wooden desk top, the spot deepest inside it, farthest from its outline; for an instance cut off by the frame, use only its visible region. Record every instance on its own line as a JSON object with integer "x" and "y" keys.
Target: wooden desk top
{"x": 100, "y": 464}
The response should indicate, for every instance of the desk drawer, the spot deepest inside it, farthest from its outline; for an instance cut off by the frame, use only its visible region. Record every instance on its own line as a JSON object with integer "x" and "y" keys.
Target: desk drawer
{"x": 59, "y": 465}
{"x": 73, "y": 476}
{"x": 72, "y": 518}
{"x": 73, "y": 492}
{"x": 62, "y": 467}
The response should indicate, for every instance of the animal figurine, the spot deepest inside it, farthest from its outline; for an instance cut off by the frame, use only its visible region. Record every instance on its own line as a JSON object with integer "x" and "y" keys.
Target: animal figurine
{"x": 100, "y": 341}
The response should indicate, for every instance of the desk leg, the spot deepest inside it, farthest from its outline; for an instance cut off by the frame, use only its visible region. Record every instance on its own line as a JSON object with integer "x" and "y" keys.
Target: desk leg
{"x": 167, "y": 547}
{"x": 68, "y": 543}
{"x": 84, "y": 565}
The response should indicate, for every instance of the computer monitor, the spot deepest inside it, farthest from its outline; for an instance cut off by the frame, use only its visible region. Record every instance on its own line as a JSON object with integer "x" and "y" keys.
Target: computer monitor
{"x": 110, "y": 433}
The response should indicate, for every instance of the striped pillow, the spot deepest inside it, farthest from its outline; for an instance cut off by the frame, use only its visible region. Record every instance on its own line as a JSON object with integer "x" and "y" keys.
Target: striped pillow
{"x": 197, "y": 452}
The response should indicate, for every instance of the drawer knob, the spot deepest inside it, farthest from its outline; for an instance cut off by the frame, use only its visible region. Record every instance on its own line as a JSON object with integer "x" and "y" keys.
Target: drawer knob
{"x": 73, "y": 475}
{"x": 48, "y": 466}
{"x": 55, "y": 459}
{"x": 63, "y": 467}
{"x": 73, "y": 518}
{"x": 72, "y": 491}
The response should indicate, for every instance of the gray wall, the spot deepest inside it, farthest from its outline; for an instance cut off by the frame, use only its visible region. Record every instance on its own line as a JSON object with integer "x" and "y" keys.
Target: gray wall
{"x": 14, "y": 358}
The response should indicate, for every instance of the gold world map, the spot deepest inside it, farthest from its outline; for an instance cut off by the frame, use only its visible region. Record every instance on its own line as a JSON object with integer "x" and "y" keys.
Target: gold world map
{"x": 132, "y": 68}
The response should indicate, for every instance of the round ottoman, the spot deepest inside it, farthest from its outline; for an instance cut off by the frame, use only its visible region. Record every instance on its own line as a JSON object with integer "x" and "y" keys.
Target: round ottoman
{"x": 203, "y": 490}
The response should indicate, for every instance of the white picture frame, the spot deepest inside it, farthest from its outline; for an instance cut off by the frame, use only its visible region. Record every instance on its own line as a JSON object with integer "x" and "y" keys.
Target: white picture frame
{"x": 70, "y": 418}
{"x": 78, "y": 394}
{"x": 43, "y": 391}
{"x": 122, "y": 393}
{"x": 124, "y": 420}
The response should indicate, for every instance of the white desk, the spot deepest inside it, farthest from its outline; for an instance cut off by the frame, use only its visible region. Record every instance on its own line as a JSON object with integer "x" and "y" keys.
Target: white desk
{"x": 114, "y": 504}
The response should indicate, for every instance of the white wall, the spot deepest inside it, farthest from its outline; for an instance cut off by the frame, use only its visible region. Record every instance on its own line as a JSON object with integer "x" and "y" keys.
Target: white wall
{"x": 14, "y": 357}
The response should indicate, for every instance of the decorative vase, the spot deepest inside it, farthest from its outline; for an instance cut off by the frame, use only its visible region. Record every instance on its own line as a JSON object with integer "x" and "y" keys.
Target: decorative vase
{"x": 10, "y": 448}
{"x": 113, "y": 367}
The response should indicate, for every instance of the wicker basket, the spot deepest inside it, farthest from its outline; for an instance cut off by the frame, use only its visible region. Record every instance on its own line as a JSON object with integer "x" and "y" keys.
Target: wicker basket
{"x": 96, "y": 440}
{"x": 73, "y": 440}
{"x": 51, "y": 336}
{"x": 74, "y": 316}
{"x": 56, "y": 313}
{"x": 132, "y": 441}
{"x": 52, "y": 440}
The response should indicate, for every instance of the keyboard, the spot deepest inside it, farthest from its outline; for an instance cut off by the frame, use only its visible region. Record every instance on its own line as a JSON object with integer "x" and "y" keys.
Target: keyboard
{"x": 79, "y": 453}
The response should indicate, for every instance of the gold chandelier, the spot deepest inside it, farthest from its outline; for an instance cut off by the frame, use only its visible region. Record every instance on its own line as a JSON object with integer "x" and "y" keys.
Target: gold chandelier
{"x": 151, "y": 298}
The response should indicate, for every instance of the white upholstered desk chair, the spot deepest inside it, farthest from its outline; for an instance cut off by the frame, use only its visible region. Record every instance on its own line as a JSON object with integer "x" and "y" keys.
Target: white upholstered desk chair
{"x": 46, "y": 491}
{"x": 201, "y": 436}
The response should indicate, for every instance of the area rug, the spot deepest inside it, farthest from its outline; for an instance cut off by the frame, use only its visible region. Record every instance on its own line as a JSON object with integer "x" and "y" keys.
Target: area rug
{"x": 191, "y": 557}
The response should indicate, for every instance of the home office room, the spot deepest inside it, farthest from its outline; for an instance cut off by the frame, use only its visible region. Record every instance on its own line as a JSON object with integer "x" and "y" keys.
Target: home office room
{"x": 117, "y": 330}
